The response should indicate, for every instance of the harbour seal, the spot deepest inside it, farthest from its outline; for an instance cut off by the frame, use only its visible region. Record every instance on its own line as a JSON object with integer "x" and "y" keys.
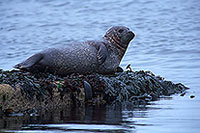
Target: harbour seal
{"x": 101, "y": 56}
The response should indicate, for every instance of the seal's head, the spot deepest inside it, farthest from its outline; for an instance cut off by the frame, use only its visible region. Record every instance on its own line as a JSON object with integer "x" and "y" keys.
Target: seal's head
{"x": 120, "y": 36}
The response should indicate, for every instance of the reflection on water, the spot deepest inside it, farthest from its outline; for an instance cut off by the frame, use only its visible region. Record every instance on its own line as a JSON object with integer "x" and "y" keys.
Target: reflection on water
{"x": 167, "y": 43}
{"x": 89, "y": 118}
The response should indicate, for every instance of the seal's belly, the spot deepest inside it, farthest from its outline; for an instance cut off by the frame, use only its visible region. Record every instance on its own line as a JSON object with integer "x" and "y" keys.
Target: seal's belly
{"x": 80, "y": 59}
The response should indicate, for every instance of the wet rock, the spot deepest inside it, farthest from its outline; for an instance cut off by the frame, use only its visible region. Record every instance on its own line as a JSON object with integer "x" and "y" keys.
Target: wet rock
{"x": 22, "y": 90}
{"x": 1, "y": 112}
{"x": 183, "y": 94}
{"x": 192, "y": 96}
{"x": 135, "y": 85}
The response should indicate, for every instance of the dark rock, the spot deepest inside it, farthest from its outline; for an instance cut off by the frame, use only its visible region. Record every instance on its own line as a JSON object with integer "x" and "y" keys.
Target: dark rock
{"x": 24, "y": 90}
{"x": 1, "y": 112}
{"x": 192, "y": 96}
{"x": 183, "y": 94}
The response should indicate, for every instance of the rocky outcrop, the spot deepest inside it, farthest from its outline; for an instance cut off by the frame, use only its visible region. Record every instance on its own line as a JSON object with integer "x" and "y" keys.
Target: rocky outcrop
{"x": 24, "y": 90}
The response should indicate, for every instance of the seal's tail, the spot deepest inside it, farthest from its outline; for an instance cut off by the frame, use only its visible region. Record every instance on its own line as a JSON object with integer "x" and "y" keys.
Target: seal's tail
{"x": 29, "y": 62}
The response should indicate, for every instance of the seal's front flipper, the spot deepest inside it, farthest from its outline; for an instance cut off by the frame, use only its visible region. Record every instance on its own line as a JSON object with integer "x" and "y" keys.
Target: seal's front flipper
{"x": 102, "y": 53}
{"x": 29, "y": 62}
{"x": 119, "y": 69}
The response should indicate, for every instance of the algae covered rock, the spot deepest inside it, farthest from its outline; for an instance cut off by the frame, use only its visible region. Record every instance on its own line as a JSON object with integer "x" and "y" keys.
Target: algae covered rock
{"x": 22, "y": 90}
{"x": 139, "y": 85}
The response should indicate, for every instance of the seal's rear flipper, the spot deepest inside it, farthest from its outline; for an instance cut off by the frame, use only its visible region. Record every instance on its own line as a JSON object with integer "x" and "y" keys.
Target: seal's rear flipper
{"x": 88, "y": 90}
{"x": 29, "y": 62}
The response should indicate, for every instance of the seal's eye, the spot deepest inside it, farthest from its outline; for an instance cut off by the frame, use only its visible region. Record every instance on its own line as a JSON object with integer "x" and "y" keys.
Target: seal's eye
{"x": 120, "y": 30}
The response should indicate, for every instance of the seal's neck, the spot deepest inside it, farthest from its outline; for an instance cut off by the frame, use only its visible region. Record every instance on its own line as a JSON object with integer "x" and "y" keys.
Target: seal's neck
{"x": 114, "y": 44}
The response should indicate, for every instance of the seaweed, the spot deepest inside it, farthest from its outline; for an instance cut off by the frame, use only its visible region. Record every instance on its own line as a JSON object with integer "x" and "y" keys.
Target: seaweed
{"x": 122, "y": 86}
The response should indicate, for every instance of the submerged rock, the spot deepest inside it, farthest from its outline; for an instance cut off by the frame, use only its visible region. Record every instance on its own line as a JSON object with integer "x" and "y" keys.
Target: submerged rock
{"x": 24, "y": 90}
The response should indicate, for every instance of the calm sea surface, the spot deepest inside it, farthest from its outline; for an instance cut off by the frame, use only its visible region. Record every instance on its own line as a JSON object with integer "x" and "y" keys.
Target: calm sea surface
{"x": 167, "y": 43}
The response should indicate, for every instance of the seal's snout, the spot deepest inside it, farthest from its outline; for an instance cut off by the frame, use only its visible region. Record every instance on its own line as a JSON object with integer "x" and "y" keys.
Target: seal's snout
{"x": 127, "y": 37}
{"x": 130, "y": 35}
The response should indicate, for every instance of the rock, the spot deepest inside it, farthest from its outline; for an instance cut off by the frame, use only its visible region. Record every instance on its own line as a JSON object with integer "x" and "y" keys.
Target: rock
{"x": 1, "y": 112}
{"x": 192, "y": 96}
{"x": 21, "y": 91}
